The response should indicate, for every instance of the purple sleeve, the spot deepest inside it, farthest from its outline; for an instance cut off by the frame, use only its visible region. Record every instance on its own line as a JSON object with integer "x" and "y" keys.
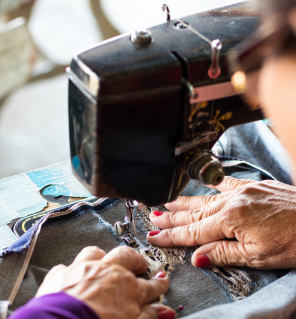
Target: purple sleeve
{"x": 59, "y": 305}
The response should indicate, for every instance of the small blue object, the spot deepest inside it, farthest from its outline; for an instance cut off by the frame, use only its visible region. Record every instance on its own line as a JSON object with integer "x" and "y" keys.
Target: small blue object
{"x": 77, "y": 167}
{"x": 56, "y": 190}
{"x": 75, "y": 162}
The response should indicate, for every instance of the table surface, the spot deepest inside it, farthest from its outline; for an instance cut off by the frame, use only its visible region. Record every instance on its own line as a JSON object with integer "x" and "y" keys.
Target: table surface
{"x": 20, "y": 195}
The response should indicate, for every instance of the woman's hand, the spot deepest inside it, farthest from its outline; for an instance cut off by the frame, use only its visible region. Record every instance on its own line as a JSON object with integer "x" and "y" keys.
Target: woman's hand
{"x": 107, "y": 284}
{"x": 261, "y": 216}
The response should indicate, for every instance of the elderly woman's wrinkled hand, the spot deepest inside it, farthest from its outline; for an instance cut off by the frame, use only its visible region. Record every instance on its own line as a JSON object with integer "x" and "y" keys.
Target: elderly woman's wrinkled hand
{"x": 248, "y": 224}
{"x": 108, "y": 285}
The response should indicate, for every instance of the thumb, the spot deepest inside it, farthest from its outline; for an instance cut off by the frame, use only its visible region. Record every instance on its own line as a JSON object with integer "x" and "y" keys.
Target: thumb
{"x": 221, "y": 254}
{"x": 230, "y": 184}
{"x": 157, "y": 311}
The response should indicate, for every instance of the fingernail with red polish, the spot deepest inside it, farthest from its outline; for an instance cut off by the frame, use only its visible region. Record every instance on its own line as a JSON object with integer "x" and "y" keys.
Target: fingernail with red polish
{"x": 153, "y": 232}
{"x": 157, "y": 213}
{"x": 166, "y": 314}
{"x": 161, "y": 274}
{"x": 202, "y": 261}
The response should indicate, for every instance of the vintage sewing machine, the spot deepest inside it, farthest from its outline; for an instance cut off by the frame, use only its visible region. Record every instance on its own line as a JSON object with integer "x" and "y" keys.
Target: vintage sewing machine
{"x": 146, "y": 108}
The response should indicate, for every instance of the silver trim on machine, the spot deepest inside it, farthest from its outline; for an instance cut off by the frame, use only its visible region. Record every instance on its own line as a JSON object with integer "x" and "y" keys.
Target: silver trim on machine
{"x": 213, "y": 92}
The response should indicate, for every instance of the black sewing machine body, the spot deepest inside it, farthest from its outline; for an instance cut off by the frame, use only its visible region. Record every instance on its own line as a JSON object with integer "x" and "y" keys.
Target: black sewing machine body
{"x": 129, "y": 105}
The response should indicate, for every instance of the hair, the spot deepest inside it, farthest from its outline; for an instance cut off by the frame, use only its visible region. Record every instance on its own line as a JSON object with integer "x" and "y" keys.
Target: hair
{"x": 272, "y": 6}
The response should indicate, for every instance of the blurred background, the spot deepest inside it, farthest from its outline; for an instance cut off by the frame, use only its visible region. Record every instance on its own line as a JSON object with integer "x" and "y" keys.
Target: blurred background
{"x": 37, "y": 41}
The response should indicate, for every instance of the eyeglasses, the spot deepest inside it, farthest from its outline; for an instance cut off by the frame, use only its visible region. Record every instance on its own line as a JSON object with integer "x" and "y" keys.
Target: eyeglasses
{"x": 274, "y": 37}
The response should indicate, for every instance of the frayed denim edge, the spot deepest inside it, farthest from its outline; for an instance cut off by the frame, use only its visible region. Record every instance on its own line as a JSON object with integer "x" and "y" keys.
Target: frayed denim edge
{"x": 62, "y": 211}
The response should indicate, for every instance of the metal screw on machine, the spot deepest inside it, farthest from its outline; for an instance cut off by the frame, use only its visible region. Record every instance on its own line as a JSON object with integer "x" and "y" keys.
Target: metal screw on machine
{"x": 181, "y": 26}
{"x": 206, "y": 168}
{"x": 141, "y": 37}
{"x": 121, "y": 228}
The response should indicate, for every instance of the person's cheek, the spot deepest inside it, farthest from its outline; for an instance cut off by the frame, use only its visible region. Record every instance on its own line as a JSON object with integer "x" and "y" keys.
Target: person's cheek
{"x": 277, "y": 95}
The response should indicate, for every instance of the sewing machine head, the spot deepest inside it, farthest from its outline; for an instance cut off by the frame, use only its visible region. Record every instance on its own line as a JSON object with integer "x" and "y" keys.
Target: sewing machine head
{"x": 145, "y": 109}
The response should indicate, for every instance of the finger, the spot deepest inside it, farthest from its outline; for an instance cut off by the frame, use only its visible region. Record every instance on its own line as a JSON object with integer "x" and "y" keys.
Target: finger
{"x": 220, "y": 253}
{"x": 193, "y": 202}
{"x": 152, "y": 289}
{"x": 170, "y": 219}
{"x": 156, "y": 311}
{"x": 56, "y": 271}
{"x": 230, "y": 184}
{"x": 199, "y": 233}
{"x": 52, "y": 282}
{"x": 128, "y": 258}
{"x": 91, "y": 253}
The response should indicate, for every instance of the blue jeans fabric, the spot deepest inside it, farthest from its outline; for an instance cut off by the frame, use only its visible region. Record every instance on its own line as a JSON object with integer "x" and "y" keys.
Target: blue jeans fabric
{"x": 204, "y": 293}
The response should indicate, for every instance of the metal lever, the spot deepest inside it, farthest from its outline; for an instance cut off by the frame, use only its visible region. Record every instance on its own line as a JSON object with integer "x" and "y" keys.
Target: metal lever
{"x": 131, "y": 216}
{"x": 214, "y": 70}
{"x": 130, "y": 224}
{"x": 203, "y": 138}
{"x": 165, "y": 7}
{"x": 126, "y": 230}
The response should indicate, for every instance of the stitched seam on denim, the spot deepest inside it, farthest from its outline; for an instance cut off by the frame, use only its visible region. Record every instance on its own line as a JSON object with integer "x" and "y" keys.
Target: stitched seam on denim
{"x": 112, "y": 230}
{"x": 70, "y": 210}
{"x": 33, "y": 240}
{"x": 59, "y": 212}
{"x": 237, "y": 162}
{"x": 25, "y": 246}
{"x": 26, "y": 262}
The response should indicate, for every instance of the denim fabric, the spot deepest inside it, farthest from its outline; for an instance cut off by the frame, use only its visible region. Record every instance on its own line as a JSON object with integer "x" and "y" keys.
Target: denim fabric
{"x": 254, "y": 143}
{"x": 276, "y": 301}
{"x": 204, "y": 293}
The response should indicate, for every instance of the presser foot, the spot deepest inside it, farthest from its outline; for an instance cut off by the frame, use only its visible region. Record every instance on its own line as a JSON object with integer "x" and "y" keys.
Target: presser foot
{"x": 126, "y": 230}
{"x": 134, "y": 243}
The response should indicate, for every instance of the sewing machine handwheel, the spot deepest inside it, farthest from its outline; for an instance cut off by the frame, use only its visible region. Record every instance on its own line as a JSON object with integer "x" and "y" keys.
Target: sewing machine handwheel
{"x": 206, "y": 168}
{"x": 212, "y": 175}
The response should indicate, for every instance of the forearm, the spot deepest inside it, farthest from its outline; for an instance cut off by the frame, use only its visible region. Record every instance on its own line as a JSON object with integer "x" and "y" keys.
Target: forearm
{"x": 54, "y": 306}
